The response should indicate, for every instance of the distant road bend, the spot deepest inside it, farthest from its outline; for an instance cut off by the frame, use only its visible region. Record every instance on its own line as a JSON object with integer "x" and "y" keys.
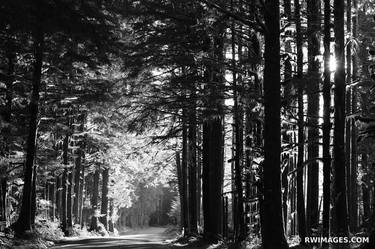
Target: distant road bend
{"x": 150, "y": 238}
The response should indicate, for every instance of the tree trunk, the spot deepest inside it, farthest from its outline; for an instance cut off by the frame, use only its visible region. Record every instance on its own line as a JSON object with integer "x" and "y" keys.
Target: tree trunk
{"x": 77, "y": 181}
{"x": 184, "y": 171}
{"x": 58, "y": 197}
{"x": 180, "y": 188}
{"x": 288, "y": 100}
{"x": 24, "y": 220}
{"x": 94, "y": 201}
{"x": 213, "y": 140}
{"x": 110, "y": 220}
{"x": 354, "y": 154}
{"x": 69, "y": 210}
{"x": 82, "y": 196}
{"x": 351, "y": 185}
{"x": 199, "y": 174}
{"x": 239, "y": 226}
{"x": 313, "y": 29}
{"x": 78, "y": 168}
{"x": 69, "y": 191}
{"x": 301, "y": 140}
{"x": 77, "y": 186}
{"x": 340, "y": 222}
{"x": 271, "y": 206}
{"x": 64, "y": 186}
{"x": 212, "y": 179}
{"x": 33, "y": 198}
{"x": 327, "y": 120}
{"x": 192, "y": 138}
{"x": 52, "y": 200}
{"x": 104, "y": 206}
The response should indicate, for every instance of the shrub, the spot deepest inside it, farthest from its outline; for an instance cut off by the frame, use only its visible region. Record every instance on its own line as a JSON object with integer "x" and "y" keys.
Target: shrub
{"x": 48, "y": 230}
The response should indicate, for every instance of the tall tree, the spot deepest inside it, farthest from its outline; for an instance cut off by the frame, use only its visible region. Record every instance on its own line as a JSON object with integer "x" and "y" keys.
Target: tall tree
{"x": 64, "y": 182}
{"x": 271, "y": 207}
{"x": 213, "y": 138}
{"x": 184, "y": 172}
{"x": 327, "y": 119}
{"x": 340, "y": 206}
{"x": 238, "y": 208}
{"x": 24, "y": 220}
{"x": 104, "y": 206}
{"x": 78, "y": 169}
{"x": 180, "y": 188}
{"x": 192, "y": 140}
{"x": 94, "y": 200}
{"x": 313, "y": 29}
{"x": 301, "y": 139}
{"x": 352, "y": 22}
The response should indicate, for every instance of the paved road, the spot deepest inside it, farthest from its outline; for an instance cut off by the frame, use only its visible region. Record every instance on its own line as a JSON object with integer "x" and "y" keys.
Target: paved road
{"x": 152, "y": 238}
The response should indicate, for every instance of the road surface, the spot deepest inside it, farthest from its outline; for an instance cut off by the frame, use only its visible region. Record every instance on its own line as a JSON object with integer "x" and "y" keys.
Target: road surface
{"x": 151, "y": 238}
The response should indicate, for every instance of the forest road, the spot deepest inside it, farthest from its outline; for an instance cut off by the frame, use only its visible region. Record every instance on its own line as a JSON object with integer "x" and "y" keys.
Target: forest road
{"x": 151, "y": 238}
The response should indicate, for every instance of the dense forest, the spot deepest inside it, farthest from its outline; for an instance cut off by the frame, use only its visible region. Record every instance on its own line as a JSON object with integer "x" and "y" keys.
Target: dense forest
{"x": 245, "y": 123}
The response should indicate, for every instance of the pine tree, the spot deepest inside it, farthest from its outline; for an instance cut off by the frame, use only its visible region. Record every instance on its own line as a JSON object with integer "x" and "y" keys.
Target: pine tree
{"x": 312, "y": 89}
{"x": 340, "y": 207}
{"x": 301, "y": 139}
{"x": 271, "y": 207}
{"x": 24, "y": 220}
{"x": 213, "y": 139}
{"x": 327, "y": 119}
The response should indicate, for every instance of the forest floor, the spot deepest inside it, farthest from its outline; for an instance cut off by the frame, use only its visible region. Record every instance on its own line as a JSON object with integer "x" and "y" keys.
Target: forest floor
{"x": 9, "y": 241}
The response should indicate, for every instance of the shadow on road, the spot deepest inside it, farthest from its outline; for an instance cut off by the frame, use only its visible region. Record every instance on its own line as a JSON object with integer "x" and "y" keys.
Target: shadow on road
{"x": 148, "y": 239}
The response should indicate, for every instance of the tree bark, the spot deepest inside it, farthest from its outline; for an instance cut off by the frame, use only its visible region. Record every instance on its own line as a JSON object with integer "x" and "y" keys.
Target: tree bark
{"x": 213, "y": 140}
{"x": 313, "y": 29}
{"x": 33, "y": 197}
{"x": 77, "y": 181}
{"x": 354, "y": 154}
{"x": 69, "y": 218}
{"x": 192, "y": 140}
{"x": 94, "y": 201}
{"x": 288, "y": 101}
{"x": 110, "y": 221}
{"x": 340, "y": 212}
{"x": 348, "y": 127}
{"x": 327, "y": 120}
{"x": 184, "y": 176}
{"x": 180, "y": 187}
{"x": 212, "y": 179}
{"x": 239, "y": 225}
{"x": 58, "y": 197}
{"x": 301, "y": 140}
{"x": 77, "y": 173}
{"x": 199, "y": 174}
{"x": 24, "y": 220}
{"x": 271, "y": 206}
{"x": 64, "y": 183}
{"x": 82, "y": 193}
{"x": 77, "y": 187}
{"x": 52, "y": 200}
{"x": 82, "y": 196}
{"x": 104, "y": 206}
